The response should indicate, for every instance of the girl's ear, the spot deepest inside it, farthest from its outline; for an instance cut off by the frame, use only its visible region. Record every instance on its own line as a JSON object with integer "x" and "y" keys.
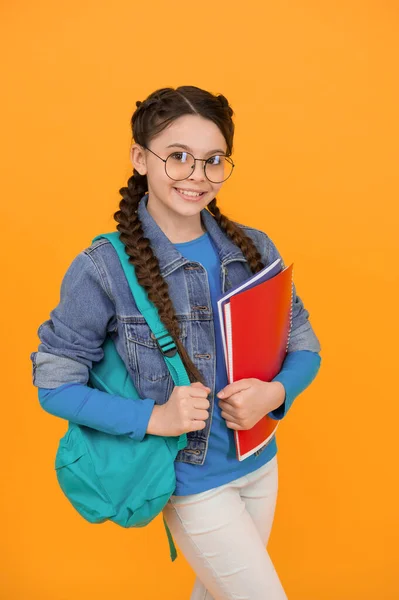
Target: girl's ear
{"x": 138, "y": 159}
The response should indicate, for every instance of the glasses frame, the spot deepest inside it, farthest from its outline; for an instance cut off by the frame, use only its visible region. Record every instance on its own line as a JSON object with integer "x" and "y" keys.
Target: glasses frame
{"x": 204, "y": 160}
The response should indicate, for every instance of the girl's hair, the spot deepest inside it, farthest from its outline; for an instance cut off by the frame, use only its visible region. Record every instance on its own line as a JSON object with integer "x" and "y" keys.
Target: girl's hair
{"x": 151, "y": 117}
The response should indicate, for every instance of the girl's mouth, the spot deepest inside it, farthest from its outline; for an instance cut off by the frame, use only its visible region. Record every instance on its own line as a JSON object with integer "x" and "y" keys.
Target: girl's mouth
{"x": 191, "y": 197}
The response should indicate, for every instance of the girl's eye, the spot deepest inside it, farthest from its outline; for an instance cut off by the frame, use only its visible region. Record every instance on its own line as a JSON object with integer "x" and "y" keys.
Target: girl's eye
{"x": 215, "y": 160}
{"x": 180, "y": 156}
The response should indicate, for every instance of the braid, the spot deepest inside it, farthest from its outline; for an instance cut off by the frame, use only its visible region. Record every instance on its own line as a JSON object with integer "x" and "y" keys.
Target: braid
{"x": 239, "y": 238}
{"x": 146, "y": 264}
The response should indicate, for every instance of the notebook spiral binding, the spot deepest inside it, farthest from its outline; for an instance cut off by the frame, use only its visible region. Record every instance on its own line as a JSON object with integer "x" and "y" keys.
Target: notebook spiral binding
{"x": 292, "y": 295}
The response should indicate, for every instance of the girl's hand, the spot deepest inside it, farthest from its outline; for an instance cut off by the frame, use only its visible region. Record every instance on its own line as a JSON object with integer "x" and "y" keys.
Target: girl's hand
{"x": 246, "y": 401}
{"x": 186, "y": 410}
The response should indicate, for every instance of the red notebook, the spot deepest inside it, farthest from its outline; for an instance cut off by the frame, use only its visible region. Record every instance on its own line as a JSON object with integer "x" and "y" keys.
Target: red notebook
{"x": 255, "y": 319}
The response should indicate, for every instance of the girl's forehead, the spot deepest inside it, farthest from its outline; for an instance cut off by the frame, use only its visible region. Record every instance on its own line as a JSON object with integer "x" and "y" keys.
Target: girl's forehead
{"x": 193, "y": 131}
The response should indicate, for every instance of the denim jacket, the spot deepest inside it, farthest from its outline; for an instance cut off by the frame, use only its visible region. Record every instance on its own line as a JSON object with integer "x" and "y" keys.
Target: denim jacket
{"x": 96, "y": 300}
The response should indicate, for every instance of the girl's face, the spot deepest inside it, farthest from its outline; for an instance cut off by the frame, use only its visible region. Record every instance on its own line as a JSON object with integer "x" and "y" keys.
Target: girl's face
{"x": 202, "y": 138}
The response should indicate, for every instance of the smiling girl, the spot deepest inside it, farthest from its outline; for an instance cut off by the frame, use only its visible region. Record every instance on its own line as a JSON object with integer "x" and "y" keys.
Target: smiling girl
{"x": 186, "y": 254}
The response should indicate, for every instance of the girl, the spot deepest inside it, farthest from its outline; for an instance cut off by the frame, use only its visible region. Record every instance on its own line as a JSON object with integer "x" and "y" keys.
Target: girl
{"x": 186, "y": 253}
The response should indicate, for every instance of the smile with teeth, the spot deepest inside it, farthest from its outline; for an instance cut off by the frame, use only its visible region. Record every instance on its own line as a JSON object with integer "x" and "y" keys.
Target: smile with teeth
{"x": 191, "y": 194}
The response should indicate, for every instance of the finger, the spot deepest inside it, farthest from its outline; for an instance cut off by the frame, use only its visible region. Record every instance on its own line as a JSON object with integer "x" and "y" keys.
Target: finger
{"x": 201, "y": 415}
{"x": 198, "y": 392}
{"x": 202, "y": 403}
{"x": 232, "y": 425}
{"x": 197, "y": 425}
{"x": 227, "y": 410}
{"x": 197, "y": 385}
{"x": 228, "y": 416}
{"x": 233, "y": 388}
{"x": 232, "y": 403}
{"x": 228, "y": 406}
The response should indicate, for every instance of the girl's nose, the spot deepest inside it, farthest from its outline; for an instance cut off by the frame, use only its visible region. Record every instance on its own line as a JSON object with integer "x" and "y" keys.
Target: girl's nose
{"x": 198, "y": 172}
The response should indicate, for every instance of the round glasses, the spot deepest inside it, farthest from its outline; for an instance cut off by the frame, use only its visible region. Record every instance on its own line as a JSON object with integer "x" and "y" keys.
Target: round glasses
{"x": 180, "y": 165}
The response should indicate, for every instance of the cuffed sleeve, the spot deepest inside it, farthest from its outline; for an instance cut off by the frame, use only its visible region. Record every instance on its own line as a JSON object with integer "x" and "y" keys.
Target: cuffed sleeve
{"x": 51, "y": 370}
{"x": 77, "y": 328}
{"x": 100, "y": 410}
{"x": 297, "y": 372}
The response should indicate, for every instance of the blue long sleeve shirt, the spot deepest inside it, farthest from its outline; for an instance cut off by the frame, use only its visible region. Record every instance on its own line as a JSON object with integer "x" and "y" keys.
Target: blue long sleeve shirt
{"x": 116, "y": 415}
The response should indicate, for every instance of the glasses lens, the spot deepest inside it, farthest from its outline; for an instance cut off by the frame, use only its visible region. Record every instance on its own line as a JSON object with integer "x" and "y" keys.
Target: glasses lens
{"x": 179, "y": 165}
{"x": 218, "y": 168}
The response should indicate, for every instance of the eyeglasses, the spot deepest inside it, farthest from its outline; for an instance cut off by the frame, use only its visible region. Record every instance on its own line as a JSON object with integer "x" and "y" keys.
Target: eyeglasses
{"x": 180, "y": 165}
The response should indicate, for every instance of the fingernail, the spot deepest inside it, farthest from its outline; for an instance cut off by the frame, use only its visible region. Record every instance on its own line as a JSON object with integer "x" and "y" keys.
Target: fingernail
{"x": 220, "y": 395}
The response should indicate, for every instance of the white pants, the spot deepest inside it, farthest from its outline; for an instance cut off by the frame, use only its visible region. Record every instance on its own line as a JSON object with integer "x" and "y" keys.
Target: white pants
{"x": 223, "y": 533}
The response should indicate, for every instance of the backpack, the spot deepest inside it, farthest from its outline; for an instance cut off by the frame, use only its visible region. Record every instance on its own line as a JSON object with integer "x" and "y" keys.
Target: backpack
{"x": 113, "y": 477}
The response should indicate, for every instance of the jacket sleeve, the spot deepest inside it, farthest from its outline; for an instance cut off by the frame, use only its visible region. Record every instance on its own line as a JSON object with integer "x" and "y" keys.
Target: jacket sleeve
{"x": 77, "y": 327}
{"x": 70, "y": 341}
{"x": 302, "y": 335}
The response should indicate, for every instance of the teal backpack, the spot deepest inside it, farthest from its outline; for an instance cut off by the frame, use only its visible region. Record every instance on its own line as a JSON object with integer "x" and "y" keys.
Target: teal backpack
{"x": 113, "y": 477}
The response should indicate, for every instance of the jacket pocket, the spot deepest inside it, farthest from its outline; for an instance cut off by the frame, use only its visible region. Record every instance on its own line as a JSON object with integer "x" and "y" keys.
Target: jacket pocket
{"x": 147, "y": 362}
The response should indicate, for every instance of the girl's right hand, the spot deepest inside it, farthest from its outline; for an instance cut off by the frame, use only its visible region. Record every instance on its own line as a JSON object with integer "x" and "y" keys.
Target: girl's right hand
{"x": 184, "y": 411}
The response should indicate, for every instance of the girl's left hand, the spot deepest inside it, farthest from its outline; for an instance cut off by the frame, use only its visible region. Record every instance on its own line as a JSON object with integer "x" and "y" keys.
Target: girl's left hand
{"x": 246, "y": 401}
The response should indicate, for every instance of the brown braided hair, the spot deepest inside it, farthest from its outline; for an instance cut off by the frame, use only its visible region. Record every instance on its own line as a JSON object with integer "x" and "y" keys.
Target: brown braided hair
{"x": 153, "y": 115}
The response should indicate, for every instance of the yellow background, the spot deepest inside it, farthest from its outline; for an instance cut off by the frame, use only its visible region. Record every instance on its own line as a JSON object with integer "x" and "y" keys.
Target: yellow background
{"x": 314, "y": 89}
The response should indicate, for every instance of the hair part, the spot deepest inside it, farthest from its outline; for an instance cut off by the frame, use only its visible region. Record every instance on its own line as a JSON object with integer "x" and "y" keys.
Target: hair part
{"x": 152, "y": 116}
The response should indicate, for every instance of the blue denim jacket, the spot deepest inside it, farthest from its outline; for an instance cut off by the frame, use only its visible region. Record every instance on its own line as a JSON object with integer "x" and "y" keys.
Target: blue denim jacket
{"x": 96, "y": 300}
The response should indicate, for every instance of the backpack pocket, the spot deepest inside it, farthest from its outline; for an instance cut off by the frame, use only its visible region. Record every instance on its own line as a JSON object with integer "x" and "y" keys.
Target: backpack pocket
{"x": 79, "y": 481}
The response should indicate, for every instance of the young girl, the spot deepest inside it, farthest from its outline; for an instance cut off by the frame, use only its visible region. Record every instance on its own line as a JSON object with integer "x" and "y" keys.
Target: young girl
{"x": 186, "y": 254}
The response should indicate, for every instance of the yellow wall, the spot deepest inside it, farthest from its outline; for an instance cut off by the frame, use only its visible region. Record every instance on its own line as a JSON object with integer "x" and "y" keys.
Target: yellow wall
{"x": 314, "y": 91}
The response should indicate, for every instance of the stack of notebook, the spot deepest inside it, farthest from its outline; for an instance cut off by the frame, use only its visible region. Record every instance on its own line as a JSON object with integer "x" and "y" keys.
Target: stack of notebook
{"x": 255, "y": 319}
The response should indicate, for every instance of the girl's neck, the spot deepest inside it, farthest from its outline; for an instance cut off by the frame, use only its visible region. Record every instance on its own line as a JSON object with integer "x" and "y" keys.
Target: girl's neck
{"x": 180, "y": 237}
{"x": 177, "y": 230}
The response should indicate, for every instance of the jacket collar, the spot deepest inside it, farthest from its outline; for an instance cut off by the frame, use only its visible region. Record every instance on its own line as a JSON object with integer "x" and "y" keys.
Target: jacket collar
{"x": 169, "y": 257}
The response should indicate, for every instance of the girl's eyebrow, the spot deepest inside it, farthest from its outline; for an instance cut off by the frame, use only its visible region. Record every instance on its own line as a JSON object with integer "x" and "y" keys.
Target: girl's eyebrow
{"x": 189, "y": 149}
